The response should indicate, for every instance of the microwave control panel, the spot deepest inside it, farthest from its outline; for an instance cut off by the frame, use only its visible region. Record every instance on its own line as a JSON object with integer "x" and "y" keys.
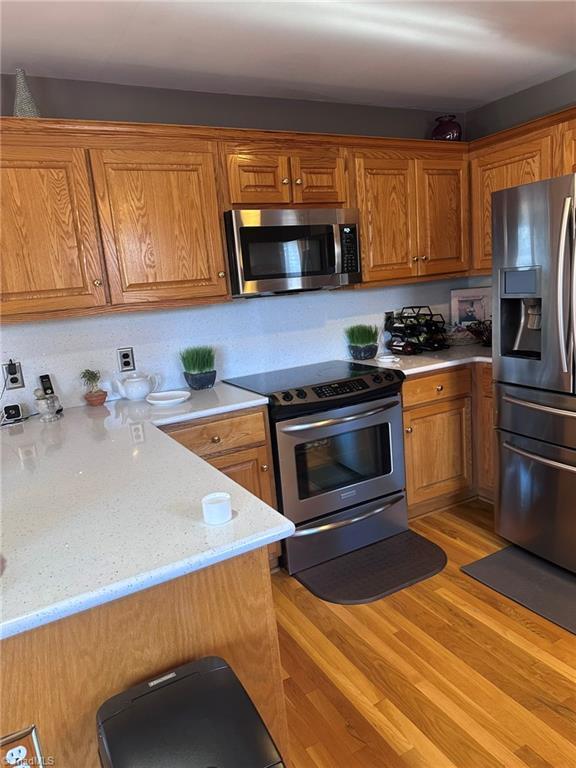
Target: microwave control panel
{"x": 350, "y": 255}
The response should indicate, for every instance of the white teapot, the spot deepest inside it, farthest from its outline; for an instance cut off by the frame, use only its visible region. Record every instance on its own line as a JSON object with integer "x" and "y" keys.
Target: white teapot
{"x": 137, "y": 386}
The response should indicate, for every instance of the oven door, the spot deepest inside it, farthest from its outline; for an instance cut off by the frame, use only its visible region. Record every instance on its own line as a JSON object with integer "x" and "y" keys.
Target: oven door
{"x": 285, "y": 250}
{"x": 340, "y": 458}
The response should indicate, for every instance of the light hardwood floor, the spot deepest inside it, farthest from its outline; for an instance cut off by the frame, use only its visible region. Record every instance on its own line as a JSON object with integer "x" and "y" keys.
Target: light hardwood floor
{"x": 445, "y": 674}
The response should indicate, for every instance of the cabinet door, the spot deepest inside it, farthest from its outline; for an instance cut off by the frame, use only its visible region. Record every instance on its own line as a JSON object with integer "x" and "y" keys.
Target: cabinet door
{"x": 50, "y": 258}
{"x": 160, "y": 224}
{"x": 443, "y": 229}
{"x": 252, "y": 469}
{"x": 438, "y": 449}
{"x": 520, "y": 163}
{"x": 260, "y": 177}
{"x": 485, "y": 440}
{"x": 318, "y": 179}
{"x": 568, "y": 147}
{"x": 387, "y": 203}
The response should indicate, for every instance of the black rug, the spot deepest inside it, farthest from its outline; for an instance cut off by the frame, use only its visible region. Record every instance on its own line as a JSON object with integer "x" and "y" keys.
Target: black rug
{"x": 540, "y": 586}
{"x": 374, "y": 571}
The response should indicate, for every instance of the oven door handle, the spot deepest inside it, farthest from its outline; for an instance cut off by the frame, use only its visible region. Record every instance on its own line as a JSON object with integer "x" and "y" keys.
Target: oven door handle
{"x": 349, "y": 521}
{"x": 539, "y": 459}
{"x": 339, "y": 419}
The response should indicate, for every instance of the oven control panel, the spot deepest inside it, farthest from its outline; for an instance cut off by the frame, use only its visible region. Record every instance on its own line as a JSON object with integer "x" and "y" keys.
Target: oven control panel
{"x": 381, "y": 381}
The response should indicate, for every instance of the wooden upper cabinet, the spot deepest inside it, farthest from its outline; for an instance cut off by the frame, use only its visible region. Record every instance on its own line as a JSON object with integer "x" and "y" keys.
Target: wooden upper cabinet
{"x": 318, "y": 179}
{"x": 388, "y": 227}
{"x": 50, "y": 257}
{"x": 502, "y": 167}
{"x": 271, "y": 176}
{"x": 567, "y": 133}
{"x": 160, "y": 224}
{"x": 259, "y": 177}
{"x": 443, "y": 224}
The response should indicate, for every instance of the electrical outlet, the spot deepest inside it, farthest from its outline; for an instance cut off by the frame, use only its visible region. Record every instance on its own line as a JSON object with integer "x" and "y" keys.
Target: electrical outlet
{"x": 125, "y": 359}
{"x": 13, "y": 379}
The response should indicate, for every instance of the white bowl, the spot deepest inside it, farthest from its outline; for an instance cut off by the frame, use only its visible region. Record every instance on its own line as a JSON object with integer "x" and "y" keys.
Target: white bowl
{"x": 174, "y": 397}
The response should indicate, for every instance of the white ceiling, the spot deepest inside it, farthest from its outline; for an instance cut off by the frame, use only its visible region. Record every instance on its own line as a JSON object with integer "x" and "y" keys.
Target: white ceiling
{"x": 451, "y": 55}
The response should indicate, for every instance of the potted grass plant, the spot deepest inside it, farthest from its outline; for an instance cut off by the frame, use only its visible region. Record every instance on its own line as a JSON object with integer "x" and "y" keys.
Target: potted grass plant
{"x": 198, "y": 364}
{"x": 362, "y": 341}
{"x": 94, "y": 395}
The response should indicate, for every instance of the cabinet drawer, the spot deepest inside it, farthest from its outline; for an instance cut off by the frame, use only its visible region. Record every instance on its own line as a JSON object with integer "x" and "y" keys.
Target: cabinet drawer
{"x": 213, "y": 436}
{"x": 436, "y": 386}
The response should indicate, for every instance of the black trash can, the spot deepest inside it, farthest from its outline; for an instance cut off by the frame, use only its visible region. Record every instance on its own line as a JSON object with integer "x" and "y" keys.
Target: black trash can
{"x": 195, "y": 716}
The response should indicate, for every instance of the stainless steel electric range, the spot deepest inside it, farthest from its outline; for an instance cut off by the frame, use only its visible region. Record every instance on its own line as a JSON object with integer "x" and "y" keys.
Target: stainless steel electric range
{"x": 338, "y": 453}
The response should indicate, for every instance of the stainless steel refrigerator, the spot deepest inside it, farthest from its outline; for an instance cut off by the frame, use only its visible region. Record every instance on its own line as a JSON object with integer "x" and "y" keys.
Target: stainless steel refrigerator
{"x": 534, "y": 319}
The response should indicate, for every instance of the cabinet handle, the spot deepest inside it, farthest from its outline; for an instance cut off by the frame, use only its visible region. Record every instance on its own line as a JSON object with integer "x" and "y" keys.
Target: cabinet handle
{"x": 415, "y": 258}
{"x": 425, "y": 258}
{"x": 216, "y": 439}
{"x": 264, "y": 467}
{"x": 298, "y": 181}
{"x": 97, "y": 283}
{"x": 285, "y": 180}
{"x": 440, "y": 388}
{"x": 408, "y": 430}
{"x": 221, "y": 274}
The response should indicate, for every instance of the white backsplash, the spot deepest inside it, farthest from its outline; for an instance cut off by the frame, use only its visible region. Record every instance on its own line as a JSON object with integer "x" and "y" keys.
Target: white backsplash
{"x": 249, "y": 335}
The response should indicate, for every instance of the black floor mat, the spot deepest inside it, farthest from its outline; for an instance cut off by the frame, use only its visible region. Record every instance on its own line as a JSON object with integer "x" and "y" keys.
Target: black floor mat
{"x": 374, "y": 571}
{"x": 536, "y": 584}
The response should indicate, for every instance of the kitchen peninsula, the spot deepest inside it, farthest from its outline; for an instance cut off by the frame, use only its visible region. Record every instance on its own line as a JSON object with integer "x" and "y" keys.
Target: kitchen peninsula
{"x": 112, "y": 577}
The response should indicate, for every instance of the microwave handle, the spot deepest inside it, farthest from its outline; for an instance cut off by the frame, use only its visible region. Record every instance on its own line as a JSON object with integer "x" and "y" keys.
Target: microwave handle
{"x": 337, "y": 249}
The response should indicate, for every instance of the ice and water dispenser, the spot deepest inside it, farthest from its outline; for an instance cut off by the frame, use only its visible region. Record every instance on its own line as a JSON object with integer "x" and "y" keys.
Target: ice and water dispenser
{"x": 521, "y": 312}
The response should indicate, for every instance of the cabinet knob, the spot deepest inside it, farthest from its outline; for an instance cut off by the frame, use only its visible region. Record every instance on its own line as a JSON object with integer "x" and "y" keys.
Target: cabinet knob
{"x": 221, "y": 274}
{"x": 408, "y": 430}
{"x": 439, "y": 388}
{"x": 264, "y": 467}
{"x": 415, "y": 258}
{"x": 425, "y": 258}
{"x": 285, "y": 180}
{"x": 298, "y": 181}
{"x": 216, "y": 439}
{"x": 97, "y": 283}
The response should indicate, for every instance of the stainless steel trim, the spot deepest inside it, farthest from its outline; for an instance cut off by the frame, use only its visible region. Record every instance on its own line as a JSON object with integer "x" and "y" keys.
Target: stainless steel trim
{"x": 349, "y": 521}
{"x": 275, "y": 217}
{"x": 539, "y": 459}
{"x": 538, "y": 407}
{"x": 337, "y": 249}
{"x": 573, "y": 297}
{"x": 339, "y": 420}
{"x": 560, "y": 283}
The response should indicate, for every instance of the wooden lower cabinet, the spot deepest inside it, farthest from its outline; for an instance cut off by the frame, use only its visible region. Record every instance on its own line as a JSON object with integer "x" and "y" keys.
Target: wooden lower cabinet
{"x": 485, "y": 445}
{"x": 438, "y": 450}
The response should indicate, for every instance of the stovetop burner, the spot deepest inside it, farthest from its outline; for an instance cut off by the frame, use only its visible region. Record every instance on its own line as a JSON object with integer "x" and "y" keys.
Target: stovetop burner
{"x": 322, "y": 383}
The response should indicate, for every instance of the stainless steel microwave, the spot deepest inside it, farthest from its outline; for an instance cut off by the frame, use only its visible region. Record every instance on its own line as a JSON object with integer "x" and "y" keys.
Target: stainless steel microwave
{"x": 276, "y": 251}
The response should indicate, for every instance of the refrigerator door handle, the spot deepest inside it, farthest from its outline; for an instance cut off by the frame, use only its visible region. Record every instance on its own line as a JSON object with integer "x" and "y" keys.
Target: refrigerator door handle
{"x": 539, "y": 459}
{"x": 560, "y": 283}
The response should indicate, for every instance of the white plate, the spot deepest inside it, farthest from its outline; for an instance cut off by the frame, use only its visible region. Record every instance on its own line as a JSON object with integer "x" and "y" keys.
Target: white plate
{"x": 175, "y": 397}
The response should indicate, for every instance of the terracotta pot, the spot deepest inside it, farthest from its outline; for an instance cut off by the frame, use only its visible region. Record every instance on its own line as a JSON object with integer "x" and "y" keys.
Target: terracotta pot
{"x": 203, "y": 380}
{"x": 366, "y": 352}
{"x": 96, "y": 398}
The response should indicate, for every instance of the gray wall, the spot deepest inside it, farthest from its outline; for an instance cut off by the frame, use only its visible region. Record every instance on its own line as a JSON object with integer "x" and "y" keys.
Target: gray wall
{"x": 523, "y": 106}
{"x": 106, "y": 101}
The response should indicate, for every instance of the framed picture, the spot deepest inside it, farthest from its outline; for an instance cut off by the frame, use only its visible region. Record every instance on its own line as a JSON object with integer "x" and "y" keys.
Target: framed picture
{"x": 467, "y": 305}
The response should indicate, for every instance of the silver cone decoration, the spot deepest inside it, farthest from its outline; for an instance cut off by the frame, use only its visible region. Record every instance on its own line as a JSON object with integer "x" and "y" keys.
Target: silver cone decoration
{"x": 24, "y": 104}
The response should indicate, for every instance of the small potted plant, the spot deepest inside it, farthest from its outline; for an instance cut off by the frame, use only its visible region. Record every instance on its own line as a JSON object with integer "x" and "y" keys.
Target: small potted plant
{"x": 198, "y": 364}
{"x": 362, "y": 341}
{"x": 94, "y": 395}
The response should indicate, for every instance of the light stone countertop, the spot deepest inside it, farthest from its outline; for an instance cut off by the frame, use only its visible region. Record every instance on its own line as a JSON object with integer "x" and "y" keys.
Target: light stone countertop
{"x": 427, "y": 362}
{"x": 101, "y": 504}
